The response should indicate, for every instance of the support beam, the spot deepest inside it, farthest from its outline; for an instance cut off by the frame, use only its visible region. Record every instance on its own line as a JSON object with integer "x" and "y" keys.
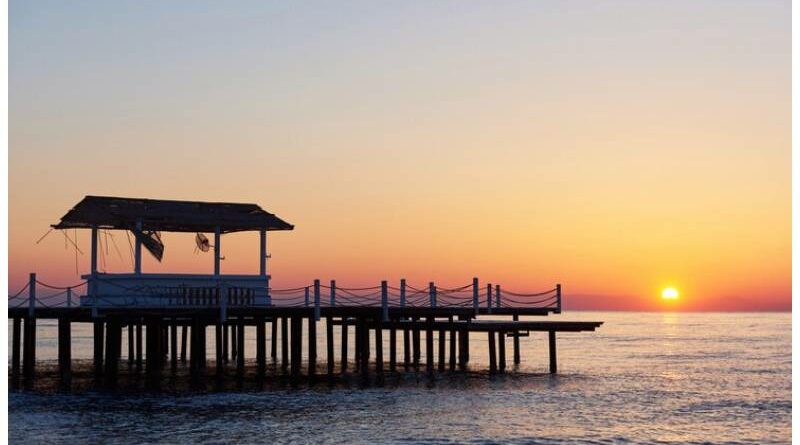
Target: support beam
{"x": 113, "y": 337}
{"x": 553, "y": 359}
{"x": 64, "y": 351}
{"x": 442, "y": 345}
{"x": 16, "y": 346}
{"x": 284, "y": 343}
{"x": 223, "y": 327}
{"x": 137, "y": 255}
{"x": 29, "y": 348}
{"x": 217, "y": 239}
{"x": 492, "y": 354}
{"x": 220, "y": 348}
{"x": 312, "y": 347}
{"x": 406, "y": 349}
{"x": 344, "y": 344}
{"x": 240, "y": 348}
{"x": 184, "y": 339}
{"x": 261, "y": 346}
{"x": 392, "y": 349}
{"x": 173, "y": 345}
{"x": 516, "y": 341}
{"x": 501, "y": 343}
{"x": 297, "y": 343}
{"x": 98, "y": 348}
{"x": 274, "y": 339}
{"x": 379, "y": 351}
{"x": 153, "y": 362}
{"x": 131, "y": 344}
{"x": 329, "y": 344}
{"x": 262, "y": 260}
{"x": 429, "y": 345}
{"x": 415, "y": 337}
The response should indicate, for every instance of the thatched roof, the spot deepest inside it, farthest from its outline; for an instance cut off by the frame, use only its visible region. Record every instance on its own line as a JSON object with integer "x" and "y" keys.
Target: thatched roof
{"x": 169, "y": 216}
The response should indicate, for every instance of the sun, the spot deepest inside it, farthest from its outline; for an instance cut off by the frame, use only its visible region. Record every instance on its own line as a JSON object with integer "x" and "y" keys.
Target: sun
{"x": 670, "y": 293}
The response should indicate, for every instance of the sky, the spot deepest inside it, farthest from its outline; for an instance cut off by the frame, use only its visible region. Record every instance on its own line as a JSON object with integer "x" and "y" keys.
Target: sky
{"x": 615, "y": 147}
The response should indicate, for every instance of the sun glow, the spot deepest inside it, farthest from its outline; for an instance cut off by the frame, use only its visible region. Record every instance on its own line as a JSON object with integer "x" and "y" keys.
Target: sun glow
{"x": 670, "y": 293}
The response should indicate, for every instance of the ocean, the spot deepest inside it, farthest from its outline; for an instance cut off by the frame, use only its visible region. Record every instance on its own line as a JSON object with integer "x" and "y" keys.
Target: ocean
{"x": 640, "y": 378}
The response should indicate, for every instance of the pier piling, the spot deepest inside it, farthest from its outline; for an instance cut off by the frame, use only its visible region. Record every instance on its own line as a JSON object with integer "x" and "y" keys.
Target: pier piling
{"x": 329, "y": 344}
{"x": 98, "y": 348}
{"x": 552, "y": 347}
{"x": 15, "y": 346}
{"x": 516, "y": 339}
{"x": 501, "y": 343}
{"x": 344, "y": 345}
{"x": 492, "y": 354}
{"x": 64, "y": 350}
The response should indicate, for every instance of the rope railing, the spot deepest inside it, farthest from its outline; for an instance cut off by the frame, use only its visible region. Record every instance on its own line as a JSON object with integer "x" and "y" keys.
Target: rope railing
{"x": 316, "y": 294}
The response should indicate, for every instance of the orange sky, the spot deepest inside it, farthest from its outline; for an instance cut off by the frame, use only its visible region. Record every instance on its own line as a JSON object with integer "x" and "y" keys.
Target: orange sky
{"x": 525, "y": 144}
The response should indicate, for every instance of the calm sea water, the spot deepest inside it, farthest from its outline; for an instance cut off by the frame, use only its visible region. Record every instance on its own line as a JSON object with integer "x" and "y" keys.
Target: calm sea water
{"x": 641, "y": 378}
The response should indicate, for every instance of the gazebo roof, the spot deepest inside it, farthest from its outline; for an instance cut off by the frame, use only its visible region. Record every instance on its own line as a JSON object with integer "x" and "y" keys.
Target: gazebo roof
{"x": 107, "y": 212}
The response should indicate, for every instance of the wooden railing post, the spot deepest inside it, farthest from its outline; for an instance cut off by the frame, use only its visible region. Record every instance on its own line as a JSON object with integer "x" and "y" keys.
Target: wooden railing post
{"x": 31, "y": 294}
{"x": 489, "y": 298}
{"x": 558, "y": 297}
{"x": 475, "y": 294}
{"x": 223, "y": 301}
{"x": 333, "y": 293}
{"x": 316, "y": 300}
{"x": 497, "y": 295}
{"x": 402, "y": 292}
{"x": 385, "y": 300}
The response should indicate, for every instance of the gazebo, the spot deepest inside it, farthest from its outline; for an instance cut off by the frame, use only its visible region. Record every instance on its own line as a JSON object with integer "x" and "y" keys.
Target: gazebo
{"x": 145, "y": 219}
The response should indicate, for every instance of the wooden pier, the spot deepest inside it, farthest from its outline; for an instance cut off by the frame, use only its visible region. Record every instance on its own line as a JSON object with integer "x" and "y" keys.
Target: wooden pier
{"x": 164, "y": 314}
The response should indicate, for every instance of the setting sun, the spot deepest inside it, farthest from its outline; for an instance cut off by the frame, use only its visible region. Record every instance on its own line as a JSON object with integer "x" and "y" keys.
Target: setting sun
{"x": 670, "y": 293}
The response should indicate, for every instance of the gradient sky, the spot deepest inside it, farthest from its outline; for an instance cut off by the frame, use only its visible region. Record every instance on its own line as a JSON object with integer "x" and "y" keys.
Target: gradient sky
{"x": 616, "y": 147}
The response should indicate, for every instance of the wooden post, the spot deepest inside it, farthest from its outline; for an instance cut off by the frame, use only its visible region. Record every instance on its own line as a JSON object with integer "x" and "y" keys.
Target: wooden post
{"x": 329, "y": 343}
{"x": 385, "y": 300}
{"x": 64, "y": 350}
{"x": 223, "y": 336}
{"x": 297, "y": 342}
{"x": 402, "y": 292}
{"x": 113, "y": 334}
{"x": 284, "y": 343}
{"x": 475, "y": 295}
{"x": 153, "y": 365}
{"x": 552, "y": 344}
{"x": 416, "y": 340}
{"x": 137, "y": 257}
{"x": 173, "y": 344}
{"x": 432, "y": 293}
{"x": 139, "y": 344}
{"x": 452, "y": 345}
{"x": 558, "y": 297}
{"x": 333, "y": 293}
{"x": 273, "y": 352}
{"x": 393, "y": 348}
{"x": 489, "y": 298}
{"x": 31, "y": 294}
{"x": 29, "y": 348}
{"x": 516, "y": 343}
{"x": 363, "y": 333}
{"x": 184, "y": 338}
{"x": 262, "y": 261}
{"x": 442, "y": 344}
{"x": 217, "y": 239}
{"x": 344, "y": 344}
{"x": 406, "y": 348}
{"x": 501, "y": 343}
{"x": 261, "y": 346}
{"x": 497, "y": 295}
{"x": 378, "y": 349}
{"x": 234, "y": 337}
{"x": 317, "y": 309}
{"x": 312, "y": 345}
{"x": 429, "y": 344}
{"x": 98, "y": 347}
{"x": 131, "y": 345}
{"x": 15, "y": 347}
{"x": 492, "y": 354}
{"x": 219, "y": 347}
{"x": 240, "y": 347}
